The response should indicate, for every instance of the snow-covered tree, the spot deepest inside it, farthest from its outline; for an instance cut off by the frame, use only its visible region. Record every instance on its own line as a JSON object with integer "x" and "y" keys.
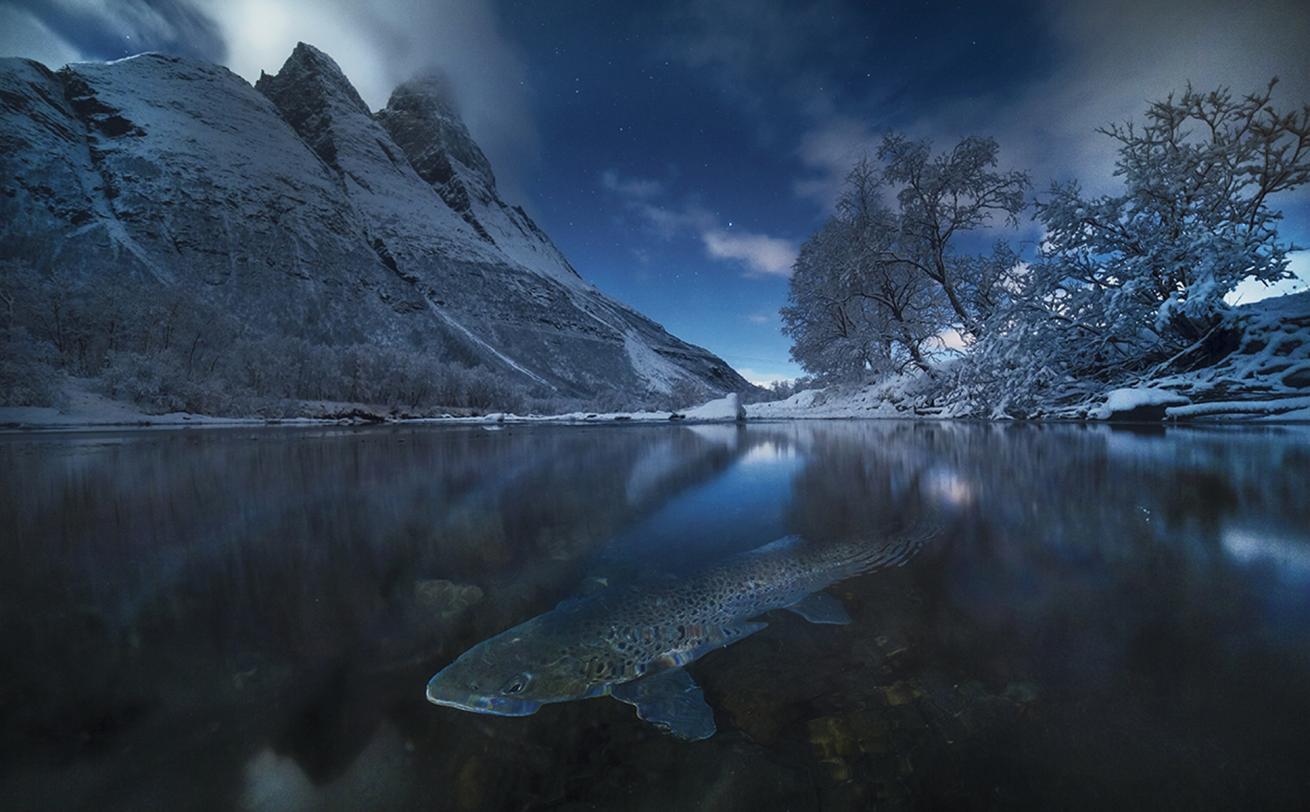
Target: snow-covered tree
{"x": 835, "y": 333}
{"x": 854, "y": 309}
{"x": 1134, "y": 277}
{"x": 943, "y": 196}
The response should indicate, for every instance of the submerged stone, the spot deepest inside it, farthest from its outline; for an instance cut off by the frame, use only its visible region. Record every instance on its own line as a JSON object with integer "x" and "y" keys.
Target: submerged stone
{"x": 445, "y": 599}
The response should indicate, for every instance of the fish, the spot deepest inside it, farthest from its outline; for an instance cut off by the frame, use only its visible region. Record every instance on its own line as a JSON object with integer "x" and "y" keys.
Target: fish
{"x": 632, "y": 641}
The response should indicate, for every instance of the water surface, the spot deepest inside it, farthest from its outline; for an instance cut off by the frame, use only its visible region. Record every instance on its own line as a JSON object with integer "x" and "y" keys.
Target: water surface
{"x": 245, "y": 619}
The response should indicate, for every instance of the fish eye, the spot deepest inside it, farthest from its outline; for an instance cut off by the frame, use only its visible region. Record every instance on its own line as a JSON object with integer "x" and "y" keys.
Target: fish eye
{"x": 516, "y": 684}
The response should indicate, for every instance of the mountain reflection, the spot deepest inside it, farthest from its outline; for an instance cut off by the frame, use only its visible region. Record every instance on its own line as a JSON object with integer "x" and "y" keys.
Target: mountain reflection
{"x": 245, "y": 619}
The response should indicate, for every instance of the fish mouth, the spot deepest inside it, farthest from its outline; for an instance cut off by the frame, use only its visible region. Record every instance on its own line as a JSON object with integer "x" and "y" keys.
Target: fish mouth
{"x": 474, "y": 703}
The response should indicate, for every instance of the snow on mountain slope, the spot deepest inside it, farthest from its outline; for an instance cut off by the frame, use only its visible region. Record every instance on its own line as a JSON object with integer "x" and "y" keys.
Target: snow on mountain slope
{"x": 296, "y": 209}
{"x": 178, "y": 172}
{"x": 422, "y": 120}
{"x": 54, "y": 205}
{"x": 482, "y": 265}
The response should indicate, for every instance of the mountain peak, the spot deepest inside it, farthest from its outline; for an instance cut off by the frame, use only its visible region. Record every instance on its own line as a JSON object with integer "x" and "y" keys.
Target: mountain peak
{"x": 424, "y": 120}
{"x": 308, "y": 89}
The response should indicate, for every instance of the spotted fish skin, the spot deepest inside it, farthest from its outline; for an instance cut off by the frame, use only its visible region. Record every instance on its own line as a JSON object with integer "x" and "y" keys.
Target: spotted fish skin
{"x": 630, "y": 641}
{"x": 651, "y": 625}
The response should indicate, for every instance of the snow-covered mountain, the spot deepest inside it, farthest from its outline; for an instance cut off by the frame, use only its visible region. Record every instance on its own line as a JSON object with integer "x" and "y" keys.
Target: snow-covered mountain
{"x": 294, "y": 207}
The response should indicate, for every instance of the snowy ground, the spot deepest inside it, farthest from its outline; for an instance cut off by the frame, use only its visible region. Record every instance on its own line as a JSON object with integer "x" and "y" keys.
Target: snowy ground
{"x": 84, "y": 409}
{"x": 726, "y": 409}
{"x": 1266, "y": 379}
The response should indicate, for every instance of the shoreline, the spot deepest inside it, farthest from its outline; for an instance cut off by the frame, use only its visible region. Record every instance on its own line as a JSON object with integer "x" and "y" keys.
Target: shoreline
{"x": 498, "y": 421}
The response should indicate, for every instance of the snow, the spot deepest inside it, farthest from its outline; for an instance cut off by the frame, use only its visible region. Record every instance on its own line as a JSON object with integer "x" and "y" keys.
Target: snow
{"x": 1256, "y": 546}
{"x": 889, "y": 398}
{"x": 1292, "y": 304}
{"x": 727, "y": 407}
{"x": 1267, "y": 378}
{"x": 657, "y": 371}
{"x": 85, "y": 409}
{"x": 1134, "y": 399}
{"x": 510, "y": 362}
{"x": 1282, "y": 408}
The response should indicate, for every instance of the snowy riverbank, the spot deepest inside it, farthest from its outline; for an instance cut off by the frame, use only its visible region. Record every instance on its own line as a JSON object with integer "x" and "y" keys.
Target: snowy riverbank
{"x": 86, "y": 410}
{"x": 1265, "y": 378}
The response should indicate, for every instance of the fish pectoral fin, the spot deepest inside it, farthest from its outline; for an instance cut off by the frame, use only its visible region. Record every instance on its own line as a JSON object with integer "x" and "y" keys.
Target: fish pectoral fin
{"x": 821, "y": 608}
{"x": 670, "y": 700}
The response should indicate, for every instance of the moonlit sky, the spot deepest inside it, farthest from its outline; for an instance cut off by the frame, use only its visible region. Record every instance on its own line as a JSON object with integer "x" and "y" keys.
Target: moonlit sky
{"x": 679, "y": 152}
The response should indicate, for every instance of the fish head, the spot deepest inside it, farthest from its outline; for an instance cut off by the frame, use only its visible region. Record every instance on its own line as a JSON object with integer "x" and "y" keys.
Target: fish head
{"x": 512, "y": 674}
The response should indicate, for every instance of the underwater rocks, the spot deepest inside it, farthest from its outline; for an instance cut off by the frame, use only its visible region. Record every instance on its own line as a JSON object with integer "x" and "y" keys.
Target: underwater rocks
{"x": 445, "y": 600}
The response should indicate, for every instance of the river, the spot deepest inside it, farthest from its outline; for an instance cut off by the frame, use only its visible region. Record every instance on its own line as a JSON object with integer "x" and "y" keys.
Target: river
{"x": 246, "y": 618}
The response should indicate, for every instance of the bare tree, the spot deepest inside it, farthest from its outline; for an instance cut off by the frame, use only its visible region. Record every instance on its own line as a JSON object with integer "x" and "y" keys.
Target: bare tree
{"x": 942, "y": 196}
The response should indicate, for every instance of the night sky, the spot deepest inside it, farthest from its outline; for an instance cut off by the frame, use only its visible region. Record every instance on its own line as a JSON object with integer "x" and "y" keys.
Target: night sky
{"x": 679, "y": 152}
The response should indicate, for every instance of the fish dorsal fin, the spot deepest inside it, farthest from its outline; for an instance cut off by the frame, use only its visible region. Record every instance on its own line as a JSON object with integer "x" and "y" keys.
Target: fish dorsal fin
{"x": 672, "y": 701}
{"x": 778, "y": 545}
{"x": 821, "y": 608}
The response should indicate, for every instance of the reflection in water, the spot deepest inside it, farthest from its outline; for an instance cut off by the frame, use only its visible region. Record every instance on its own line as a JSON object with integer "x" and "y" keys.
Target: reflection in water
{"x": 245, "y": 619}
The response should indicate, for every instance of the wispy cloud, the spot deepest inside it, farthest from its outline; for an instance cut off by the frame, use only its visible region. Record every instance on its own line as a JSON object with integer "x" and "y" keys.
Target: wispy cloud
{"x": 756, "y": 254}
{"x": 759, "y": 318}
{"x": 636, "y": 188}
{"x": 752, "y": 50}
{"x": 1114, "y": 57}
{"x": 22, "y": 34}
{"x": 828, "y": 151}
{"x": 759, "y": 253}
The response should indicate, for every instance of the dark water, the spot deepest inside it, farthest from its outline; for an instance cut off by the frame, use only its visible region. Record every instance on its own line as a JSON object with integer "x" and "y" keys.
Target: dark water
{"x": 246, "y": 619}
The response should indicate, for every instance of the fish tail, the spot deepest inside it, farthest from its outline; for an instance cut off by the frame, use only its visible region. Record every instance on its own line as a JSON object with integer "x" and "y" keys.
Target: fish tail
{"x": 866, "y": 555}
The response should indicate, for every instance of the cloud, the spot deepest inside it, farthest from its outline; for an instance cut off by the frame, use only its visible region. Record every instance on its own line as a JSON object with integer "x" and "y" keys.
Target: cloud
{"x": 758, "y": 252}
{"x": 383, "y": 43}
{"x": 746, "y": 47}
{"x": 378, "y": 45}
{"x": 109, "y": 29}
{"x": 1120, "y": 54}
{"x": 828, "y": 151}
{"x": 22, "y": 34}
{"x": 1113, "y": 57}
{"x": 641, "y": 197}
{"x": 639, "y": 188}
{"x": 668, "y": 222}
{"x": 759, "y": 318}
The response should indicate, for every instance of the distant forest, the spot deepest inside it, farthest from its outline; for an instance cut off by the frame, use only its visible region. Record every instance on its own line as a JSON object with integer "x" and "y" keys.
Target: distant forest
{"x": 171, "y": 353}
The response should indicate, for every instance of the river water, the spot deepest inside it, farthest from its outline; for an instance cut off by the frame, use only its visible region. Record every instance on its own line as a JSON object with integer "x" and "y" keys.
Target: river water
{"x": 1112, "y": 618}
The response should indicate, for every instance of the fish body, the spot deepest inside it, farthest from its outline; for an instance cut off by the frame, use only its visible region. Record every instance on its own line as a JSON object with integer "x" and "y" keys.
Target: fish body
{"x": 631, "y": 641}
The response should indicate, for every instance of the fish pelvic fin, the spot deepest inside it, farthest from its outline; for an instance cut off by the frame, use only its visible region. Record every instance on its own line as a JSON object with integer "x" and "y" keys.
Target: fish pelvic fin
{"x": 672, "y": 701}
{"x": 821, "y": 608}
